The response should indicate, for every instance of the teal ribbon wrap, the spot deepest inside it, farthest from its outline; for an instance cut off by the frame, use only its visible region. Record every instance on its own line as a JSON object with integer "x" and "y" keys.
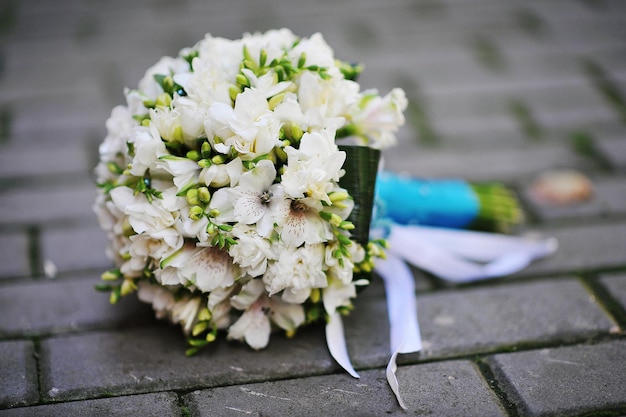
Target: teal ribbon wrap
{"x": 442, "y": 203}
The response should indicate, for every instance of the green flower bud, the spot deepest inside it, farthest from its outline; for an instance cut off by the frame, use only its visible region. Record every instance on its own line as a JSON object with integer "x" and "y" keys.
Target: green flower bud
{"x": 114, "y": 168}
{"x": 276, "y": 100}
{"x": 127, "y": 229}
{"x": 346, "y": 225}
{"x": 196, "y": 212}
{"x": 111, "y": 275}
{"x": 302, "y": 60}
{"x": 128, "y": 286}
{"x": 204, "y": 314}
{"x": 242, "y": 80}
{"x": 315, "y": 295}
{"x": 205, "y": 163}
{"x": 193, "y": 155}
{"x": 296, "y": 132}
{"x": 178, "y": 134}
{"x": 335, "y": 220}
{"x": 344, "y": 240}
{"x": 115, "y": 295}
{"x": 163, "y": 100}
{"x": 205, "y": 149}
{"x": 338, "y": 196}
{"x": 204, "y": 195}
{"x": 192, "y": 197}
{"x": 199, "y": 328}
{"x": 233, "y": 92}
{"x": 218, "y": 159}
{"x": 262, "y": 57}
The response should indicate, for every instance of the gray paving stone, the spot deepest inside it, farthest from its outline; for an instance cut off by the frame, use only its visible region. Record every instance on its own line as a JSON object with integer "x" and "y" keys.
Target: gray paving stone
{"x": 484, "y": 319}
{"x": 614, "y": 151}
{"x": 18, "y": 374}
{"x": 65, "y": 305}
{"x": 616, "y": 283}
{"x": 152, "y": 358}
{"x": 565, "y": 381}
{"x": 608, "y": 199}
{"x": 28, "y": 161}
{"x": 42, "y": 205}
{"x": 66, "y": 248}
{"x": 510, "y": 164}
{"x": 547, "y": 99}
{"x": 516, "y": 313}
{"x": 44, "y": 137}
{"x": 583, "y": 247}
{"x": 444, "y": 389}
{"x": 14, "y": 255}
{"x": 157, "y": 404}
{"x": 59, "y": 111}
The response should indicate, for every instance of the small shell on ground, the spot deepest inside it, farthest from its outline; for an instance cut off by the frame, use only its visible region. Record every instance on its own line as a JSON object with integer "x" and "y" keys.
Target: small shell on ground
{"x": 561, "y": 187}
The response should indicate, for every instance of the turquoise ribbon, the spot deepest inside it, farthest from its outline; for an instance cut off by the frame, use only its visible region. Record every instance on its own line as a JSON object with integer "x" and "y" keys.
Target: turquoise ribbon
{"x": 443, "y": 203}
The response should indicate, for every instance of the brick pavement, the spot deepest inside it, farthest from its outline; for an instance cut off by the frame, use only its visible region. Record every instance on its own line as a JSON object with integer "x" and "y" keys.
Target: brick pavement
{"x": 499, "y": 90}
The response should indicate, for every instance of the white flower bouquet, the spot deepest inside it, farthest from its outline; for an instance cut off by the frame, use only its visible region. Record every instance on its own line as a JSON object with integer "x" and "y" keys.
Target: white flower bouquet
{"x": 221, "y": 189}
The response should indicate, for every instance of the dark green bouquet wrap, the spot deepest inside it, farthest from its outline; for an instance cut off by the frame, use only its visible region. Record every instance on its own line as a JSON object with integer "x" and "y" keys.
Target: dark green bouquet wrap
{"x": 361, "y": 168}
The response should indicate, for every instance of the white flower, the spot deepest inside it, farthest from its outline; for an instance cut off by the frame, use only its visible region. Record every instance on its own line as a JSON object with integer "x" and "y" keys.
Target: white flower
{"x": 297, "y": 223}
{"x": 213, "y": 72}
{"x": 148, "y": 148}
{"x": 317, "y": 51}
{"x": 184, "y": 311}
{"x": 330, "y": 98}
{"x": 251, "y": 198}
{"x": 144, "y": 247}
{"x": 220, "y": 175}
{"x": 251, "y": 252}
{"x": 185, "y": 172}
{"x": 314, "y": 168}
{"x": 166, "y": 66}
{"x": 219, "y": 305}
{"x": 209, "y": 268}
{"x": 254, "y": 324}
{"x": 183, "y": 122}
{"x": 249, "y": 127}
{"x": 119, "y": 128}
{"x": 337, "y": 294}
{"x": 160, "y": 297}
{"x": 143, "y": 216}
{"x": 289, "y": 112}
{"x": 267, "y": 85}
{"x": 378, "y": 118}
{"x": 297, "y": 270}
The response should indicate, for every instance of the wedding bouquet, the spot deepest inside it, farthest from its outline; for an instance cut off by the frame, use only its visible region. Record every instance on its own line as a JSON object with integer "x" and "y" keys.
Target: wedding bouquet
{"x": 222, "y": 186}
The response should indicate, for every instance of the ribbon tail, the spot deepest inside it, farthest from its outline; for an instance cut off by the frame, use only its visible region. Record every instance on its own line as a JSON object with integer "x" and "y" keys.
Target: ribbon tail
{"x": 404, "y": 328}
{"x": 481, "y": 246}
{"x": 336, "y": 342}
{"x": 450, "y": 254}
{"x": 392, "y": 379}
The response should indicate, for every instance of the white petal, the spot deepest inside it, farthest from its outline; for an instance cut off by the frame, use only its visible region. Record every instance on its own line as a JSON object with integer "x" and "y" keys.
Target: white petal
{"x": 287, "y": 316}
{"x": 210, "y": 268}
{"x": 248, "y": 295}
{"x": 248, "y": 207}
{"x": 253, "y": 326}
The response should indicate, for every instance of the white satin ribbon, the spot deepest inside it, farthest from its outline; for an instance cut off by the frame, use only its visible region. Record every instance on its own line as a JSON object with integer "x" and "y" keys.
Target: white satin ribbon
{"x": 464, "y": 256}
{"x": 404, "y": 331}
{"x": 453, "y": 255}
{"x": 336, "y": 342}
